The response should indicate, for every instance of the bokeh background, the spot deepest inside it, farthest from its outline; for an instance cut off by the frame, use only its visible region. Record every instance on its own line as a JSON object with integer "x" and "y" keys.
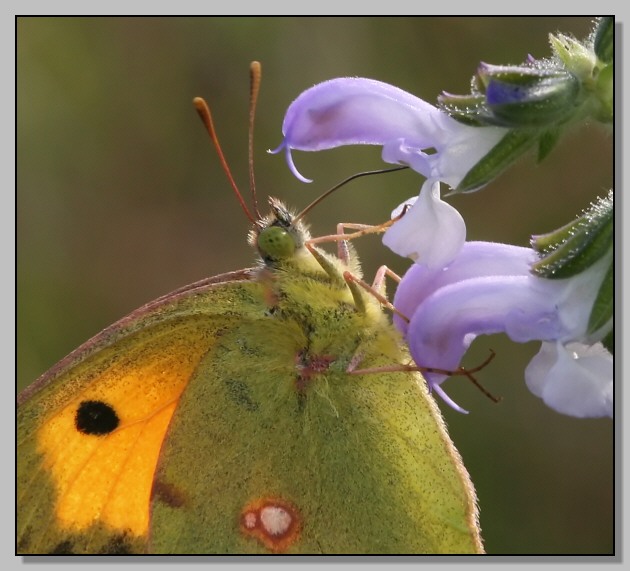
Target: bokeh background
{"x": 120, "y": 199}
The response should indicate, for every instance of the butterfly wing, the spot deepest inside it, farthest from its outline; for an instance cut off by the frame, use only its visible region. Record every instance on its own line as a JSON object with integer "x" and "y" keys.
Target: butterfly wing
{"x": 90, "y": 430}
{"x": 222, "y": 419}
{"x": 276, "y": 448}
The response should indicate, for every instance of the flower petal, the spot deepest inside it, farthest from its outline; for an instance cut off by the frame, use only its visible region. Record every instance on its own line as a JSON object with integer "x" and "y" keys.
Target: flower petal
{"x": 431, "y": 231}
{"x": 475, "y": 259}
{"x": 576, "y": 380}
{"x": 457, "y": 150}
{"x": 464, "y": 149}
{"x": 359, "y": 111}
{"x": 577, "y": 297}
{"x": 489, "y": 288}
{"x": 445, "y": 324}
{"x": 289, "y": 158}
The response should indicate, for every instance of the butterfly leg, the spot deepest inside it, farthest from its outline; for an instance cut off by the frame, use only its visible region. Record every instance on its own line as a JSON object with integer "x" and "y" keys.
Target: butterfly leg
{"x": 342, "y": 238}
{"x": 360, "y": 230}
{"x": 462, "y": 371}
{"x": 377, "y": 289}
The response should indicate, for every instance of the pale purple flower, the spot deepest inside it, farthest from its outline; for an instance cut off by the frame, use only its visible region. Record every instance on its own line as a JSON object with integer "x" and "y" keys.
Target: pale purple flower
{"x": 359, "y": 111}
{"x": 350, "y": 111}
{"x": 488, "y": 288}
{"x": 431, "y": 231}
{"x": 574, "y": 379}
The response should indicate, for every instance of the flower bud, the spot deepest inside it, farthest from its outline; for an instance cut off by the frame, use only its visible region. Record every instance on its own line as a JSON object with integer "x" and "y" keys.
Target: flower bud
{"x": 519, "y": 96}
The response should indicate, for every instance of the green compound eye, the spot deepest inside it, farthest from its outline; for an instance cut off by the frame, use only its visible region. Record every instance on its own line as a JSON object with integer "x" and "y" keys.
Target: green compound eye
{"x": 276, "y": 243}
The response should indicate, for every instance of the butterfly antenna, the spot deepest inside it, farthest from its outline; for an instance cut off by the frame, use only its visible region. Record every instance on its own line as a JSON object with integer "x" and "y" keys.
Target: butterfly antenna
{"x": 204, "y": 112}
{"x": 342, "y": 183}
{"x": 254, "y": 88}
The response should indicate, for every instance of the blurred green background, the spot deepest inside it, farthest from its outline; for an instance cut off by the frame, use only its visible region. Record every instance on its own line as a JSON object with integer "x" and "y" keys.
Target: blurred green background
{"x": 121, "y": 199}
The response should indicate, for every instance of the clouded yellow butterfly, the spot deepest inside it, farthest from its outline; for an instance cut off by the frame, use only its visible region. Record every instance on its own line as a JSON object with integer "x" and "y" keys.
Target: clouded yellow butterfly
{"x": 225, "y": 417}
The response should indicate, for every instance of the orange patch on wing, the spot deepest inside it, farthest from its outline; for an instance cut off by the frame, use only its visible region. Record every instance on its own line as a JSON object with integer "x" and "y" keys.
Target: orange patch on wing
{"x": 107, "y": 478}
{"x": 272, "y": 521}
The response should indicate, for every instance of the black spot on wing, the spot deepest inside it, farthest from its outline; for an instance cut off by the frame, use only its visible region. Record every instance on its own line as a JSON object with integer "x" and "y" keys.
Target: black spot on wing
{"x": 96, "y": 417}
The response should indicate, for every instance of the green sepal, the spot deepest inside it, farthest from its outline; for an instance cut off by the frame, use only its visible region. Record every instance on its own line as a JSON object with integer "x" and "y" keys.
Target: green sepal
{"x": 604, "y": 44}
{"x": 504, "y": 153}
{"x": 577, "y": 57}
{"x": 544, "y": 243}
{"x": 602, "y": 311}
{"x": 576, "y": 246}
{"x": 468, "y": 109}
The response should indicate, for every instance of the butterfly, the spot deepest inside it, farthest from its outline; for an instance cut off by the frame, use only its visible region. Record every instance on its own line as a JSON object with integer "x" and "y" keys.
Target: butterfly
{"x": 231, "y": 416}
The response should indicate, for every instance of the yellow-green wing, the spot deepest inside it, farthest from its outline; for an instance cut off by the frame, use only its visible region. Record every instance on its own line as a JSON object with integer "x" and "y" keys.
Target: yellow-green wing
{"x": 275, "y": 448}
{"x": 90, "y": 430}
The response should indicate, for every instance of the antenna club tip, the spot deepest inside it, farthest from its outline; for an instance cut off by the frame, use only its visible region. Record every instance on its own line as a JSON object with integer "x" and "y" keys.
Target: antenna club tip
{"x": 200, "y": 104}
{"x": 254, "y": 65}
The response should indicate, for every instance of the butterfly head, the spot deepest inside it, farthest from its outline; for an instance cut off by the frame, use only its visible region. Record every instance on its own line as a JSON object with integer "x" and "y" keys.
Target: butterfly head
{"x": 278, "y": 236}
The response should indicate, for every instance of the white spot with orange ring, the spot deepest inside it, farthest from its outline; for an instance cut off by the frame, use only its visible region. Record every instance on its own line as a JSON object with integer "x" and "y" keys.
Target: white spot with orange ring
{"x": 272, "y": 521}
